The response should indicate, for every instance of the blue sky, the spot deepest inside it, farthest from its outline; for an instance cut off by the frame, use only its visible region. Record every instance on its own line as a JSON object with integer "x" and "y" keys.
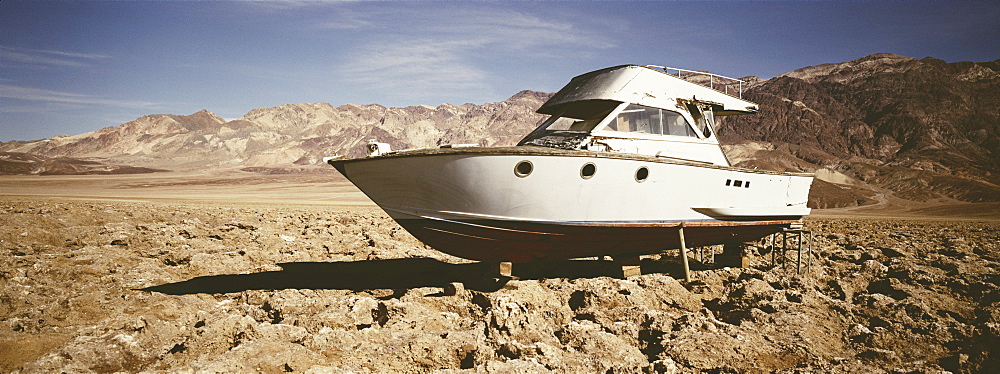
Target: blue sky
{"x": 70, "y": 67}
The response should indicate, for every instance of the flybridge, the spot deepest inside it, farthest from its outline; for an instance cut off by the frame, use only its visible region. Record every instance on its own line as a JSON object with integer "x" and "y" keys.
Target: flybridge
{"x": 724, "y": 82}
{"x": 648, "y": 86}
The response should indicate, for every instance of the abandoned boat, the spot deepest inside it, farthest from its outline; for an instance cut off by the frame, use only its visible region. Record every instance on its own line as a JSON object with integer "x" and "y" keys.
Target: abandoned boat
{"x": 627, "y": 155}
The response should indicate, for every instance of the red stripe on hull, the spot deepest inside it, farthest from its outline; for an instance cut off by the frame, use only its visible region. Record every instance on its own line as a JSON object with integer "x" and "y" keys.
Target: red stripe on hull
{"x": 494, "y": 240}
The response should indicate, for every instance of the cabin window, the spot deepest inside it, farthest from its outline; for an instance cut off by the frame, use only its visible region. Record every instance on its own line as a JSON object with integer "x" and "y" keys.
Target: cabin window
{"x": 642, "y": 119}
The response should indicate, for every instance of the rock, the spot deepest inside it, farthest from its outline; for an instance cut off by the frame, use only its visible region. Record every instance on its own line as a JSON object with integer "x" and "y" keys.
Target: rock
{"x": 874, "y": 268}
{"x": 858, "y": 332}
{"x": 607, "y": 351}
{"x": 666, "y": 366}
{"x": 364, "y": 310}
{"x": 892, "y": 287}
{"x": 281, "y": 333}
{"x": 879, "y": 354}
{"x": 454, "y": 288}
{"x": 875, "y": 301}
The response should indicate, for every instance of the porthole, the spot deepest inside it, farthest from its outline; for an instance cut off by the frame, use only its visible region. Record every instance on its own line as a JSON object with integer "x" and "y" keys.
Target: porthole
{"x": 523, "y": 168}
{"x": 641, "y": 174}
{"x": 588, "y": 170}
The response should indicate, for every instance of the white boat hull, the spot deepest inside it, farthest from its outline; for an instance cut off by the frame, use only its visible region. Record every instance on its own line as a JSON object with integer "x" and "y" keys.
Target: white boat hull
{"x": 473, "y": 203}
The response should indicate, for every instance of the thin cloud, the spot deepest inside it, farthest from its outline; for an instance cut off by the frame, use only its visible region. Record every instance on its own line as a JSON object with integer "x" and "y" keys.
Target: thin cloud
{"x": 345, "y": 24}
{"x": 291, "y": 5}
{"x": 35, "y": 94}
{"x": 413, "y": 70}
{"x": 421, "y": 56}
{"x": 520, "y": 31}
{"x": 345, "y": 19}
{"x": 40, "y": 57}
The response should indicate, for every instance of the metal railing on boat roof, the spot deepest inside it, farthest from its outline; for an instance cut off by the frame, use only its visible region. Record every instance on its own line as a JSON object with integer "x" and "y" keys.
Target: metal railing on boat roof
{"x": 725, "y": 82}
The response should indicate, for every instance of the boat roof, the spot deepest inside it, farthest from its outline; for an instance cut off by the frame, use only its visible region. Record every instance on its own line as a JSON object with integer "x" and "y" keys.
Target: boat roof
{"x": 643, "y": 85}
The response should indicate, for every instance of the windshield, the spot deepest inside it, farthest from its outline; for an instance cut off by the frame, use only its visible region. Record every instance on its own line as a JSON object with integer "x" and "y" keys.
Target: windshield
{"x": 580, "y": 116}
{"x": 572, "y": 124}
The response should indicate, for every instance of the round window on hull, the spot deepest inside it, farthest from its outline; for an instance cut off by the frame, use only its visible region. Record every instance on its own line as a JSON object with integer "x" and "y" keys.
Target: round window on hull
{"x": 641, "y": 174}
{"x": 588, "y": 170}
{"x": 523, "y": 168}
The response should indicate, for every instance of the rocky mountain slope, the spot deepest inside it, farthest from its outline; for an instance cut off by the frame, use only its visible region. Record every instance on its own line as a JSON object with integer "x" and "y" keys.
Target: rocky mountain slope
{"x": 292, "y": 134}
{"x": 882, "y": 124}
{"x": 26, "y": 163}
{"x": 924, "y": 129}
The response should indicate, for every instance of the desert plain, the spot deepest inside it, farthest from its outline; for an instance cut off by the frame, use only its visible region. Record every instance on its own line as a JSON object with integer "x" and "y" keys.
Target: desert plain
{"x": 244, "y": 272}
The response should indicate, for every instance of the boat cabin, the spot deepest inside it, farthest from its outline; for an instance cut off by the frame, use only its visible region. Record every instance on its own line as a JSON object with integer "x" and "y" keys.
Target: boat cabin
{"x": 640, "y": 110}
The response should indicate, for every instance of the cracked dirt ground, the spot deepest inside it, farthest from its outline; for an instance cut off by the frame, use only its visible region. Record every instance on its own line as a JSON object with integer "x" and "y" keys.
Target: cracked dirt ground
{"x": 115, "y": 286}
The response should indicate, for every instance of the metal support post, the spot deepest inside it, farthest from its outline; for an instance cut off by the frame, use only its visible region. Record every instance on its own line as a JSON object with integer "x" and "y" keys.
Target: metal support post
{"x": 784, "y": 249}
{"x": 798, "y": 258}
{"x": 774, "y": 250}
{"x": 803, "y": 247}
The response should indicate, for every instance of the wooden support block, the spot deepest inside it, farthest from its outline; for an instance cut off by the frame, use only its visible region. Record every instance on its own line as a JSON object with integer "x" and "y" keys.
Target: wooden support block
{"x": 734, "y": 254}
{"x": 745, "y": 249}
{"x": 630, "y": 266}
{"x": 506, "y": 269}
{"x": 631, "y": 271}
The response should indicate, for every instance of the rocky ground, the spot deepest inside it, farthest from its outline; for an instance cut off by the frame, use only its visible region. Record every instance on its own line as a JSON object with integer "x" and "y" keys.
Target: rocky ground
{"x": 110, "y": 286}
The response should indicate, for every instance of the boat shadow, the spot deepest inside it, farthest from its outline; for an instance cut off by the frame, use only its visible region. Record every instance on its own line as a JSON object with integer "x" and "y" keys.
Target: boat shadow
{"x": 400, "y": 275}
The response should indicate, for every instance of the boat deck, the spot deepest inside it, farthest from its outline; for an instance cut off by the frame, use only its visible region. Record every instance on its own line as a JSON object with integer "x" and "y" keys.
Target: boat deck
{"x": 545, "y": 151}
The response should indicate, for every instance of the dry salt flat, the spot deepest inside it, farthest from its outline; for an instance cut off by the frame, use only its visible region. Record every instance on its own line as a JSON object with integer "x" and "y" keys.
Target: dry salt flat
{"x": 111, "y": 286}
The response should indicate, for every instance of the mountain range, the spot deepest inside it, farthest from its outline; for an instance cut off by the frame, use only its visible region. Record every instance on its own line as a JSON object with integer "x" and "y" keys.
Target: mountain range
{"x": 923, "y": 129}
{"x": 917, "y": 129}
{"x": 290, "y": 134}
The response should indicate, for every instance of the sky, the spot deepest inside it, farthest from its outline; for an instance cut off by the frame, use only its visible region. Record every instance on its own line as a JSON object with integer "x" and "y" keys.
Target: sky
{"x": 69, "y": 67}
